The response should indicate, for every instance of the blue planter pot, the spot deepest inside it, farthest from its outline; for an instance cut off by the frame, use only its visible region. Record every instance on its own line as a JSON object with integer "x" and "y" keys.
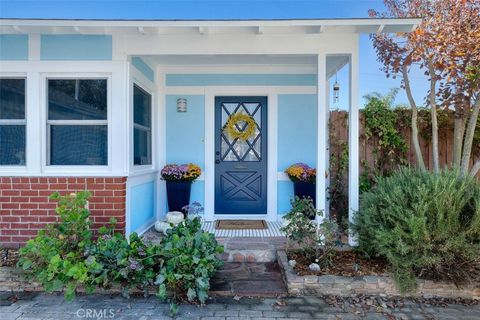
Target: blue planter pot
{"x": 178, "y": 195}
{"x": 306, "y": 190}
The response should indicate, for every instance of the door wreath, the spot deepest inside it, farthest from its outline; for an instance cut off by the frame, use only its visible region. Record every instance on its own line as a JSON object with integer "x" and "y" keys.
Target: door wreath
{"x": 232, "y": 130}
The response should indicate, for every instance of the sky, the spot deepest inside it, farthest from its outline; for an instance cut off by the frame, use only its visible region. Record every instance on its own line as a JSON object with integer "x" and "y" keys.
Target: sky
{"x": 371, "y": 77}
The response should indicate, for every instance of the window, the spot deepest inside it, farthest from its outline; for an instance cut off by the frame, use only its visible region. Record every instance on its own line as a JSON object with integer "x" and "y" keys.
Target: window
{"x": 142, "y": 127}
{"x": 12, "y": 122}
{"x": 77, "y": 127}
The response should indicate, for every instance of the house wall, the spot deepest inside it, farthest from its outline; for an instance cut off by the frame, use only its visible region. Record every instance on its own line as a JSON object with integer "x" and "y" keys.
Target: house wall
{"x": 25, "y": 207}
{"x": 295, "y": 122}
{"x": 24, "y": 190}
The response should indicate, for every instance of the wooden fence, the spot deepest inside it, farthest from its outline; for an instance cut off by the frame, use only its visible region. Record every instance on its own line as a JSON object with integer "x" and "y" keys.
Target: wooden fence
{"x": 339, "y": 137}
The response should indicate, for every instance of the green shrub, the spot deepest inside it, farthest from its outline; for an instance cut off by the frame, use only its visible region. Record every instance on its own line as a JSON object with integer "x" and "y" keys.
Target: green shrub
{"x": 65, "y": 256}
{"x": 315, "y": 242}
{"x": 190, "y": 261}
{"x": 426, "y": 225}
{"x": 57, "y": 256}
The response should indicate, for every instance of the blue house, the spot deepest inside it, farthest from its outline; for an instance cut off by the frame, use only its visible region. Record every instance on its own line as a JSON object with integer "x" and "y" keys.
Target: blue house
{"x": 103, "y": 105}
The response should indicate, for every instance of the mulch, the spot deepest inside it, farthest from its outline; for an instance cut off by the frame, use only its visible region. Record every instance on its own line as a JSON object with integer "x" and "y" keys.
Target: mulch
{"x": 344, "y": 263}
{"x": 8, "y": 257}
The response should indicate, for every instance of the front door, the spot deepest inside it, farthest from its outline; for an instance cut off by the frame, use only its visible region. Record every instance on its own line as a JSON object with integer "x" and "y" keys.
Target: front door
{"x": 241, "y": 165}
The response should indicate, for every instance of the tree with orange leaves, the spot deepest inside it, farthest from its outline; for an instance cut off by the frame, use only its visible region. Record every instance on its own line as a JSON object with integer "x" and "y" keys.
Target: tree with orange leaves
{"x": 446, "y": 44}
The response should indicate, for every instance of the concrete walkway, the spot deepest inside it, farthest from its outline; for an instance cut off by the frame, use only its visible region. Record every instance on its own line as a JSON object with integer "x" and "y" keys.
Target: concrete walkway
{"x": 45, "y": 306}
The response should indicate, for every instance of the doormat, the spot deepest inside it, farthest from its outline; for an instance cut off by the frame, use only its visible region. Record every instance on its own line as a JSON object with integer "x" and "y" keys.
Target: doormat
{"x": 240, "y": 224}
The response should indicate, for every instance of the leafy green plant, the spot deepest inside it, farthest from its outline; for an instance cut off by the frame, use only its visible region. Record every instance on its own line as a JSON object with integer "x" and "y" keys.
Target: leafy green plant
{"x": 315, "y": 241}
{"x": 57, "y": 256}
{"x": 427, "y": 225}
{"x": 381, "y": 126}
{"x": 65, "y": 256}
{"x": 189, "y": 261}
{"x": 128, "y": 263}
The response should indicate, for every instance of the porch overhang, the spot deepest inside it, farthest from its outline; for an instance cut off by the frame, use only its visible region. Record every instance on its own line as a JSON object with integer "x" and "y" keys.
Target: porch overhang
{"x": 204, "y": 27}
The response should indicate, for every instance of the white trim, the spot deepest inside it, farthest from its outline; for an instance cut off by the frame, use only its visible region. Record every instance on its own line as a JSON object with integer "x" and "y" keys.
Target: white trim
{"x": 144, "y": 227}
{"x": 239, "y": 69}
{"x": 45, "y": 135}
{"x": 160, "y": 131}
{"x": 135, "y": 24}
{"x": 272, "y": 110}
{"x": 132, "y": 181}
{"x": 353, "y": 145}
{"x": 35, "y": 73}
{"x": 272, "y": 156}
{"x": 34, "y": 47}
{"x": 138, "y": 79}
{"x": 209, "y": 165}
{"x": 192, "y": 90}
{"x": 322, "y": 136}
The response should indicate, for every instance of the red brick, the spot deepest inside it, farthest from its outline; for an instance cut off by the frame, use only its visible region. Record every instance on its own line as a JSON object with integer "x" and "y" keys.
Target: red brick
{"x": 10, "y": 193}
{"x": 10, "y": 219}
{"x": 29, "y": 219}
{"x": 25, "y": 207}
{"x": 10, "y": 232}
{"x": 10, "y": 205}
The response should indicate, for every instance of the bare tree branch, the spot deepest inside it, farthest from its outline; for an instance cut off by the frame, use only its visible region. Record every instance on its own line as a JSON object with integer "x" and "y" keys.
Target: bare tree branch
{"x": 414, "y": 124}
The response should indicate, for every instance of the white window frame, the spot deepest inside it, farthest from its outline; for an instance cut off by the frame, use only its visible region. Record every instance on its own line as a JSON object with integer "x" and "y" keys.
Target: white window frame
{"x": 139, "y": 126}
{"x": 67, "y": 169}
{"x": 17, "y": 122}
{"x": 137, "y": 78}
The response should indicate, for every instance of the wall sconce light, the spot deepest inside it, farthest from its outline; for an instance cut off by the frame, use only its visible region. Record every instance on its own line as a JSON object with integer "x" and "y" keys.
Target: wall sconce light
{"x": 181, "y": 105}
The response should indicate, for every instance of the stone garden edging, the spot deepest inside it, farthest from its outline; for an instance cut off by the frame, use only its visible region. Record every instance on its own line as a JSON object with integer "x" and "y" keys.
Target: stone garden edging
{"x": 366, "y": 285}
{"x": 13, "y": 279}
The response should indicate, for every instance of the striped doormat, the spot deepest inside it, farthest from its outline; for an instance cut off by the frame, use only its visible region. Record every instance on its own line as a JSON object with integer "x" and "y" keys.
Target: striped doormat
{"x": 240, "y": 224}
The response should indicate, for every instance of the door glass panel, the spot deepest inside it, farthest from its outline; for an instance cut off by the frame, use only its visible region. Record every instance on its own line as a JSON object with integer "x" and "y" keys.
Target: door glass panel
{"x": 239, "y": 150}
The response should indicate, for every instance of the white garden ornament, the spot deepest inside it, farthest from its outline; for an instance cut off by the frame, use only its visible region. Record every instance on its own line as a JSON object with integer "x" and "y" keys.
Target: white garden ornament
{"x": 162, "y": 226}
{"x": 175, "y": 217}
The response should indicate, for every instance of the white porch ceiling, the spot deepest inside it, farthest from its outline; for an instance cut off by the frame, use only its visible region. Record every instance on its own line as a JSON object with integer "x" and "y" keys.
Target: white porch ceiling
{"x": 204, "y": 27}
{"x": 334, "y": 62}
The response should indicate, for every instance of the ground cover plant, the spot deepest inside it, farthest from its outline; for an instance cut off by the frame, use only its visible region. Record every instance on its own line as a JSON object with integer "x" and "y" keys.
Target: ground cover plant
{"x": 426, "y": 225}
{"x": 67, "y": 256}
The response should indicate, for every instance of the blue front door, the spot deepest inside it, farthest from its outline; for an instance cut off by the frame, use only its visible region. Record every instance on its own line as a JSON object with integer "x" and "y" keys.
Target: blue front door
{"x": 241, "y": 165}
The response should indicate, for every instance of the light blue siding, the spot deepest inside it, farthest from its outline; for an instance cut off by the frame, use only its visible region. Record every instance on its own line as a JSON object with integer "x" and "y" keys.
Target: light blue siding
{"x": 142, "y": 204}
{"x": 13, "y": 47}
{"x": 241, "y": 79}
{"x": 185, "y": 130}
{"x": 143, "y": 68}
{"x": 75, "y": 47}
{"x": 297, "y": 129}
{"x": 284, "y": 195}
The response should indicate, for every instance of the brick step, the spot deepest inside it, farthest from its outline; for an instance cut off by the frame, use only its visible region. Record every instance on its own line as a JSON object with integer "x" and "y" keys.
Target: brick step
{"x": 251, "y": 249}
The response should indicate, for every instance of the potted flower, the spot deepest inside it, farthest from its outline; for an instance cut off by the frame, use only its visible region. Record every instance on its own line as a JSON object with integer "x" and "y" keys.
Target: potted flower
{"x": 303, "y": 178}
{"x": 179, "y": 180}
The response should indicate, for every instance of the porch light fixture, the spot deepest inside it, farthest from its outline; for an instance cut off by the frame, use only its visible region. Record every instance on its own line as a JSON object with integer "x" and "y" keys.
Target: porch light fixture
{"x": 336, "y": 90}
{"x": 181, "y": 105}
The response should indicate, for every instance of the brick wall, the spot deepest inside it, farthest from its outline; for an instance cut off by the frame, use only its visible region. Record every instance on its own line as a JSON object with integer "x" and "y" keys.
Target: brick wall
{"x": 25, "y": 207}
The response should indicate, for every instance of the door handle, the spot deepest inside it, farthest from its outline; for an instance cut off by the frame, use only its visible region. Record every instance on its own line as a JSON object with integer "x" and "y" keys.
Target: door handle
{"x": 217, "y": 161}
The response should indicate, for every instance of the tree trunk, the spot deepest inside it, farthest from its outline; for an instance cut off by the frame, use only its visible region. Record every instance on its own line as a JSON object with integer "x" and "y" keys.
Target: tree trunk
{"x": 458, "y": 134}
{"x": 467, "y": 145}
{"x": 433, "y": 111}
{"x": 414, "y": 124}
{"x": 475, "y": 168}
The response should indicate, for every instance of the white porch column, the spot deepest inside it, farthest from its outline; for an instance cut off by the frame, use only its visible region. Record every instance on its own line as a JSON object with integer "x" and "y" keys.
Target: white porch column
{"x": 353, "y": 145}
{"x": 322, "y": 136}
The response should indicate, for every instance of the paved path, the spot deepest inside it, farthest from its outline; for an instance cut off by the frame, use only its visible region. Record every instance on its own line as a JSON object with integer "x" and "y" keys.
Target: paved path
{"x": 45, "y": 306}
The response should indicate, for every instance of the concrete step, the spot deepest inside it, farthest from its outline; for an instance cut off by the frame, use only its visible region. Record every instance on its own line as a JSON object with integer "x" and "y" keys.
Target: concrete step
{"x": 251, "y": 249}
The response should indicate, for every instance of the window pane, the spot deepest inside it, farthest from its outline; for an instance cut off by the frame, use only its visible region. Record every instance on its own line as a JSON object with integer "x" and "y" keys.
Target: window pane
{"x": 77, "y": 99}
{"x": 78, "y": 145}
{"x": 12, "y": 98}
{"x": 12, "y": 145}
{"x": 142, "y": 147}
{"x": 142, "y": 107}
